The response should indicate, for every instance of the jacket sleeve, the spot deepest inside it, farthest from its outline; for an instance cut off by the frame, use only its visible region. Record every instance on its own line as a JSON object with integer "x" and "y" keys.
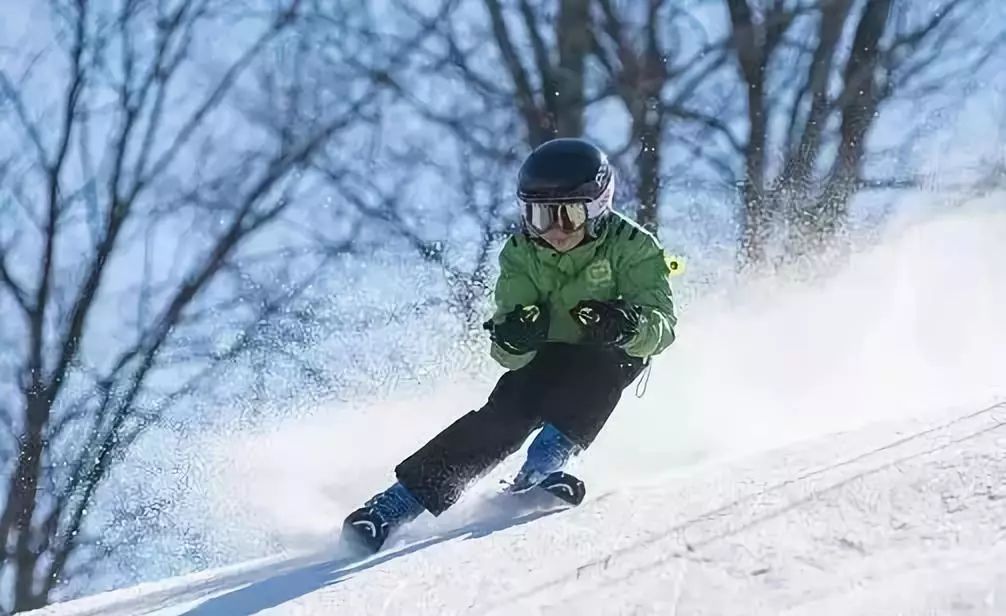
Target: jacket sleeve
{"x": 514, "y": 286}
{"x": 644, "y": 280}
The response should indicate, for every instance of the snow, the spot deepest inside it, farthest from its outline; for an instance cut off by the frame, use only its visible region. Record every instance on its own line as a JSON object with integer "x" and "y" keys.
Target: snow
{"x": 903, "y": 518}
{"x": 857, "y": 466}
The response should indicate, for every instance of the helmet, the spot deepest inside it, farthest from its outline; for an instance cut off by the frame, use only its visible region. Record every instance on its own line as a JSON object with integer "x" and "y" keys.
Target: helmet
{"x": 565, "y": 181}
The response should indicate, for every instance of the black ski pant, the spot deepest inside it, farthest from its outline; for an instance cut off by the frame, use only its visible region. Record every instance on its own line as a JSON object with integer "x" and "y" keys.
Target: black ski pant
{"x": 573, "y": 387}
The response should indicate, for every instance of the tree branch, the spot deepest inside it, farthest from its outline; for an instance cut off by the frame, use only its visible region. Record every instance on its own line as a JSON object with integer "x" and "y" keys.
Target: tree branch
{"x": 542, "y": 59}
{"x": 911, "y": 40}
{"x": 801, "y": 161}
{"x": 537, "y": 127}
{"x": 11, "y": 93}
{"x": 19, "y": 294}
{"x": 216, "y": 95}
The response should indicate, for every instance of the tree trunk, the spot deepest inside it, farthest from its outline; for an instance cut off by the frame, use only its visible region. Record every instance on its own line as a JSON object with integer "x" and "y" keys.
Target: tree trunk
{"x": 22, "y": 500}
{"x": 573, "y": 36}
{"x": 648, "y": 165}
{"x": 864, "y": 89}
{"x": 757, "y": 207}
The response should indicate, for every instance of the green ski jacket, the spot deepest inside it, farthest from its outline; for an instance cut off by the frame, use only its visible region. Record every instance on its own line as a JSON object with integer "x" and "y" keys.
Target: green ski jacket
{"x": 624, "y": 261}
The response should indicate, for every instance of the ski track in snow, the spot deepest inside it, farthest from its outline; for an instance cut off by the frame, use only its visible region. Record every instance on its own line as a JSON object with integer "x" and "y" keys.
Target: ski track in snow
{"x": 854, "y": 465}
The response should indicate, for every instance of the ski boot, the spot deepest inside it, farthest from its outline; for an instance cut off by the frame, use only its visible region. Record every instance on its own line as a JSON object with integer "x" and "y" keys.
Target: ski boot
{"x": 548, "y": 453}
{"x": 367, "y": 528}
{"x": 565, "y": 487}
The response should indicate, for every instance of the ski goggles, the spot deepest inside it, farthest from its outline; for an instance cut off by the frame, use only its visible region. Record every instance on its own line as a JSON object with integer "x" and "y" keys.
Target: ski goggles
{"x": 541, "y": 216}
{"x": 570, "y": 215}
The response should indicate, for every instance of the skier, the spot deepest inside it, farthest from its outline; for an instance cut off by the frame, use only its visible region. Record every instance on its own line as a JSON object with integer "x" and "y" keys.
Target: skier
{"x": 583, "y": 300}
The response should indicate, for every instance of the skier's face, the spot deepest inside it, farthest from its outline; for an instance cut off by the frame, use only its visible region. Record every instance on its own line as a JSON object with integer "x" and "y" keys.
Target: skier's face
{"x": 562, "y": 241}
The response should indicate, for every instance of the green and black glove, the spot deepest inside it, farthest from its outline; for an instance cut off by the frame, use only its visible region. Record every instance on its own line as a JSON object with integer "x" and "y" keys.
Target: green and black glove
{"x": 612, "y": 323}
{"x": 523, "y": 329}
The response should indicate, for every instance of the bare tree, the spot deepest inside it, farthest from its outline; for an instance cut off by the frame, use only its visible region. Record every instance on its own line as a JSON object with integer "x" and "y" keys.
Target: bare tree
{"x": 654, "y": 55}
{"x": 578, "y": 54}
{"x": 443, "y": 200}
{"x": 497, "y": 79}
{"x": 846, "y": 59}
{"x": 549, "y": 87}
{"x": 148, "y": 238}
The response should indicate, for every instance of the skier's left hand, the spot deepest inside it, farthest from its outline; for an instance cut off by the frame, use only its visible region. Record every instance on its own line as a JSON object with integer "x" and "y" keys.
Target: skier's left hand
{"x": 607, "y": 323}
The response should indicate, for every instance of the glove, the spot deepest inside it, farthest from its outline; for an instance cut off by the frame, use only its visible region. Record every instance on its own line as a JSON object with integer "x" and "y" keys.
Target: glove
{"x": 522, "y": 330}
{"x": 612, "y": 323}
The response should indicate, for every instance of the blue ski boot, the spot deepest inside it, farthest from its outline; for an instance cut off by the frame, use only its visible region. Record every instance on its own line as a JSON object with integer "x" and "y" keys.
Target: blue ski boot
{"x": 546, "y": 456}
{"x": 367, "y": 528}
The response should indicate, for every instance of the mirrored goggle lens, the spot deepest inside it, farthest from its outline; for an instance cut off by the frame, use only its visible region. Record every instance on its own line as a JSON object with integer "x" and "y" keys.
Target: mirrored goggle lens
{"x": 543, "y": 216}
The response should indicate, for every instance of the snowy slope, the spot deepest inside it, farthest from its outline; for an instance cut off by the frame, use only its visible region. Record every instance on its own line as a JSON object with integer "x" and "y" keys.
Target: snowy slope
{"x": 905, "y": 518}
{"x": 834, "y": 448}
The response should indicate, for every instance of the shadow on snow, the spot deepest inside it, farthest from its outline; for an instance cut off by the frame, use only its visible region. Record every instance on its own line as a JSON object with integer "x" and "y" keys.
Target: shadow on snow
{"x": 279, "y": 589}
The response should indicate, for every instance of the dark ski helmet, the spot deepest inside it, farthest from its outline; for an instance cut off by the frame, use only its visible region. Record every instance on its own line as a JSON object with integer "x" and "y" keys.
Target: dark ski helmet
{"x": 565, "y": 181}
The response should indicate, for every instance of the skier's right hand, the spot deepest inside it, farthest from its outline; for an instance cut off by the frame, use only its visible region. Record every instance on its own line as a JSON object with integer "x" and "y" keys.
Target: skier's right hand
{"x": 522, "y": 330}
